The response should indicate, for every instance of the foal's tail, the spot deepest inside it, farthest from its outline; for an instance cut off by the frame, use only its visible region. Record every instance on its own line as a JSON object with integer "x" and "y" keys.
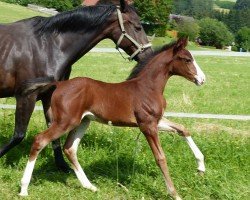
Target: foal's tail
{"x": 41, "y": 84}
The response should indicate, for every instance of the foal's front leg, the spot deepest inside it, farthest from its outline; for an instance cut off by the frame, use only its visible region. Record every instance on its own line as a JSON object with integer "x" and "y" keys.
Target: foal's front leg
{"x": 150, "y": 131}
{"x": 56, "y": 145}
{"x": 166, "y": 125}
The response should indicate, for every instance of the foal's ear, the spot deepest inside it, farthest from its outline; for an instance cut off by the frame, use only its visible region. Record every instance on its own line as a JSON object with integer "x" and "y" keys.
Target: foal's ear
{"x": 123, "y": 5}
{"x": 180, "y": 44}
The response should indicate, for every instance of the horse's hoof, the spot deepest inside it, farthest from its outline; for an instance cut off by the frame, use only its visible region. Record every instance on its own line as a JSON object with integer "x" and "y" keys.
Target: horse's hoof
{"x": 64, "y": 168}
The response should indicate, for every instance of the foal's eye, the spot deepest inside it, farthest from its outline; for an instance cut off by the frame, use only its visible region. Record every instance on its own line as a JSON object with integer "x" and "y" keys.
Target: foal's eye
{"x": 188, "y": 61}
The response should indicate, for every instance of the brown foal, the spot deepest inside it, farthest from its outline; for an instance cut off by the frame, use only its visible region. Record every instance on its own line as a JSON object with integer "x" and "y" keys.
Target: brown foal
{"x": 137, "y": 102}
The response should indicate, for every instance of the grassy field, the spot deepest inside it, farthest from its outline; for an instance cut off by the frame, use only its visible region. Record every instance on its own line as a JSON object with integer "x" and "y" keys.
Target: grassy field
{"x": 111, "y": 155}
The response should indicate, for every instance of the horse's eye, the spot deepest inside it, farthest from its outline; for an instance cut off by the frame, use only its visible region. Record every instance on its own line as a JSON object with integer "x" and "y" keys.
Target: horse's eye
{"x": 138, "y": 27}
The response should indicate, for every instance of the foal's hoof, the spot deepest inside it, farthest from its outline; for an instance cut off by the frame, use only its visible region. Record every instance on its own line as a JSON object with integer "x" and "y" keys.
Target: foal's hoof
{"x": 177, "y": 197}
{"x": 23, "y": 194}
{"x": 201, "y": 173}
{"x": 92, "y": 188}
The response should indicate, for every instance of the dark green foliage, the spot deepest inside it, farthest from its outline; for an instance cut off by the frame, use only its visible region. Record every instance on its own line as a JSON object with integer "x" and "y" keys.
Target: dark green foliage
{"x": 239, "y": 16}
{"x": 242, "y": 38}
{"x": 60, "y": 5}
{"x": 242, "y": 5}
{"x": 237, "y": 19}
{"x": 194, "y": 8}
{"x": 214, "y": 33}
{"x": 154, "y": 13}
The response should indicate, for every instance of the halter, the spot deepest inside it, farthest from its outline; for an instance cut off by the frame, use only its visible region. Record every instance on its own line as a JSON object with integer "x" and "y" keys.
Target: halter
{"x": 140, "y": 47}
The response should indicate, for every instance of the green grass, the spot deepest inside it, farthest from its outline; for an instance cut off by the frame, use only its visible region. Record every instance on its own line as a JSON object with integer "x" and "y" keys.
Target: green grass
{"x": 11, "y": 12}
{"x": 225, "y": 143}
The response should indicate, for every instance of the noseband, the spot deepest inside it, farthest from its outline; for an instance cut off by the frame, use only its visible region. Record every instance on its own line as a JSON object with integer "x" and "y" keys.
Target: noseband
{"x": 140, "y": 47}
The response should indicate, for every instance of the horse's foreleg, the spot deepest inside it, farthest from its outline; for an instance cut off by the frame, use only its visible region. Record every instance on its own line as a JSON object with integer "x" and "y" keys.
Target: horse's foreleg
{"x": 166, "y": 125}
{"x": 24, "y": 109}
{"x": 56, "y": 145}
{"x": 40, "y": 141}
{"x": 154, "y": 143}
{"x": 70, "y": 149}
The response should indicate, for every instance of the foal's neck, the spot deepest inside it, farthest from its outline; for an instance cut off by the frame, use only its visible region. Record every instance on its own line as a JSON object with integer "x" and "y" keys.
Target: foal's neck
{"x": 156, "y": 73}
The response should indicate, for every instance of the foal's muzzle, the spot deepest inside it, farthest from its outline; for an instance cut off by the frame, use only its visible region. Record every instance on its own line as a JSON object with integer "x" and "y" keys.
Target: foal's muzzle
{"x": 199, "y": 80}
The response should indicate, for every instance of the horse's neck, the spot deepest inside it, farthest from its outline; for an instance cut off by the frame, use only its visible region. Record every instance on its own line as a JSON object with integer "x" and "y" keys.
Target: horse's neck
{"x": 84, "y": 42}
{"x": 76, "y": 45}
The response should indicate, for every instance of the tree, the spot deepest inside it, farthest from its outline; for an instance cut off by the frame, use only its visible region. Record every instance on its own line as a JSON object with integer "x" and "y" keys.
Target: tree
{"x": 239, "y": 16}
{"x": 155, "y": 13}
{"x": 242, "y": 4}
{"x": 242, "y": 38}
{"x": 187, "y": 28}
{"x": 195, "y": 8}
{"x": 214, "y": 33}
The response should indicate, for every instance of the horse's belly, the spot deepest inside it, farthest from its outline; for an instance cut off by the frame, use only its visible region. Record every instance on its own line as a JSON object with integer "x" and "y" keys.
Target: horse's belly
{"x": 112, "y": 121}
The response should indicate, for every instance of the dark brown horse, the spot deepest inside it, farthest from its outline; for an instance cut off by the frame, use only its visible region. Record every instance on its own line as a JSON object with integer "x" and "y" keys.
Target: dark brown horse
{"x": 49, "y": 46}
{"x": 137, "y": 102}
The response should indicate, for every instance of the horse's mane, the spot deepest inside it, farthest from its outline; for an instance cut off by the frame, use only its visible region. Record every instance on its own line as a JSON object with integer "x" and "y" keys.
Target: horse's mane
{"x": 140, "y": 65}
{"x": 79, "y": 19}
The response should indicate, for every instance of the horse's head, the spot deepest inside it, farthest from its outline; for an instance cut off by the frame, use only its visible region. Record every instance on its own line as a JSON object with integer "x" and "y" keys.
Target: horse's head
{"x": 184, "y": 64}
{"x": 128, "y": 33}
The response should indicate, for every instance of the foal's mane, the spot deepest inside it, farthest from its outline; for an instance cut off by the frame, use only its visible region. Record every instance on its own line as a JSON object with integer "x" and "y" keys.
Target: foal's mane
{"x": 79, "y": 19}
{"x": 141, "y": 65}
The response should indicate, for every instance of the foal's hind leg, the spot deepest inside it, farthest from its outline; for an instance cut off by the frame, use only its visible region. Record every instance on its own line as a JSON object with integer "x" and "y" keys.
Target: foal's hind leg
{"x": 166, "y": 125}
{"x": 56, "y": 145}
{"x": 70, "y": 149}
{"x": 40, "y": 141}
{"x": 24, "y": 109}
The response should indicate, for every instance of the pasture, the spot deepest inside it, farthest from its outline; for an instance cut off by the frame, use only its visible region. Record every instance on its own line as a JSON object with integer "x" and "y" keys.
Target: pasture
{"x": 110, "y": 154}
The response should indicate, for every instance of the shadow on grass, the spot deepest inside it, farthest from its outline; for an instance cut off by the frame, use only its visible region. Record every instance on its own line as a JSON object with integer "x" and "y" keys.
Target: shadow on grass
{"x": 102, "y": 169}
{"x": 14, "y": 155}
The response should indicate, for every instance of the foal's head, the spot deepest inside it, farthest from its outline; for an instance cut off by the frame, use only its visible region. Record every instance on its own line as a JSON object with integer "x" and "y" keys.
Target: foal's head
{"x": 127, "y": 32}
{"x": 184, "y": 64}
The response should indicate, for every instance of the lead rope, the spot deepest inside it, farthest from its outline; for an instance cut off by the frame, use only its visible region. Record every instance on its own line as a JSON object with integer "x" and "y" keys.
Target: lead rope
{"x": 117, "y": 157}
{"x": 136, "y": 148}
{"x": 135, "y": 152}
{"x": 118, "y": 49}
